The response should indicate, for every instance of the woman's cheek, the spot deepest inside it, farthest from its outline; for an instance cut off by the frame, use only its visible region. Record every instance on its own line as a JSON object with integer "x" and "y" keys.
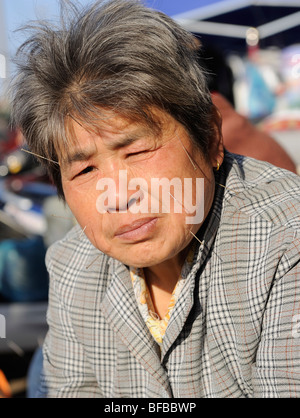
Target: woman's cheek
{"x": 82, "y": 205}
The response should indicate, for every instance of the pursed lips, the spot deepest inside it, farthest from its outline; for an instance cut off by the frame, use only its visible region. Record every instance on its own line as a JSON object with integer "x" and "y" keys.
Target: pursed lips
{"x": 133, "y": 226}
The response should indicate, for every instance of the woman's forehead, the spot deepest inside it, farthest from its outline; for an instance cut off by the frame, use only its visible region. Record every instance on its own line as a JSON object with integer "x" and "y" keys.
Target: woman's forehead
{"x": 114, "y": 129}
{"x": 112, "y": 126}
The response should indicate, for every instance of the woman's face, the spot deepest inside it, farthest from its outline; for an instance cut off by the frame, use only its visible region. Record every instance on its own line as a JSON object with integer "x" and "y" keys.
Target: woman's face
{"x": 135, "y": 193}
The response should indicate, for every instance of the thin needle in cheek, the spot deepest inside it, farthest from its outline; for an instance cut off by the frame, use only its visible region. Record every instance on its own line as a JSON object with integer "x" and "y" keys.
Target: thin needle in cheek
{"x": 82, "y": 232}
{"x": 195, "y": 166}
{"x": 181, "y": 204}
{"x": 201, "y": 242}
{"x": 188, "y": 155}
{"x": 93, "y": 262}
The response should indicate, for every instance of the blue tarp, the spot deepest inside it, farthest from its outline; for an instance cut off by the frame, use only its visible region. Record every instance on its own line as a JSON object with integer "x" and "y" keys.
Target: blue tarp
{"x": 225, "y": 22}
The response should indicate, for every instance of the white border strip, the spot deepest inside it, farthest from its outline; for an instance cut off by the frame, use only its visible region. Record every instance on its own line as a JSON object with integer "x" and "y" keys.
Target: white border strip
{"x": 279, "y": 25}
{"x": 213, "y": 28}
{"x": 212, "y": 10}
{"x": 226, "y": 6}
{"x": 236, "y": 31}
{"x": 282, "y": 3}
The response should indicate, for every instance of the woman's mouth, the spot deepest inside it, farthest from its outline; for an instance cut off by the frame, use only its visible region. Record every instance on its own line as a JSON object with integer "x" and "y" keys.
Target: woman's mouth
{"x": 137, "y": 230}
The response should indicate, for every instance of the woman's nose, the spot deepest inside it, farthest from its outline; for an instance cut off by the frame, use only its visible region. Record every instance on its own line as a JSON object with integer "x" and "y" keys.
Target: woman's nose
{"x": 116, "y": 194}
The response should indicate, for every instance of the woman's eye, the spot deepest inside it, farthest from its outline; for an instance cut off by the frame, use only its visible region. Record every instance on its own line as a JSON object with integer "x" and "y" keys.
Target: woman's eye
{"x": 85, "y": 171}
{"x": 131, "y": 154}
{"x": 137, "y": 153}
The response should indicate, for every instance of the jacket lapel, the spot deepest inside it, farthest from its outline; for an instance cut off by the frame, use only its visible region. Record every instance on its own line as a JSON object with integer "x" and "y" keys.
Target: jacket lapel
{"x": 182, "y": 310}
{"x": 120, "y": 309}
{"x": 188, "y": 301}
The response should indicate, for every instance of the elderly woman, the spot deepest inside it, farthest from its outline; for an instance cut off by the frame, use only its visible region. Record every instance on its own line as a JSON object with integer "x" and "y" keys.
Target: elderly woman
{"x": 182, "y": 276}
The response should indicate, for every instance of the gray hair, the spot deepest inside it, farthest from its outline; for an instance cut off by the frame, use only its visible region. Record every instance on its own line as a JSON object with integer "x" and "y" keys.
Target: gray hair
{"x": 113, "y": 55}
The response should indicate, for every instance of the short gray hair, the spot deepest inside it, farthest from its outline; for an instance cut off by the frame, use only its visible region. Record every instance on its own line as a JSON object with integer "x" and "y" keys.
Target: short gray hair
{"x": 114, "y": 55}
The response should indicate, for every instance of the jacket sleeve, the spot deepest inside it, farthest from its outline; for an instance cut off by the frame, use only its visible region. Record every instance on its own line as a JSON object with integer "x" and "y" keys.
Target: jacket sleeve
{"x": 276, "y": 373}
{"x": 67, "y": 372}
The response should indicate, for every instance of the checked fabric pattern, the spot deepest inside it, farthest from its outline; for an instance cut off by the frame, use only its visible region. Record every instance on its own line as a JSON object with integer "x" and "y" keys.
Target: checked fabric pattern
{"x": 232, "y": 329}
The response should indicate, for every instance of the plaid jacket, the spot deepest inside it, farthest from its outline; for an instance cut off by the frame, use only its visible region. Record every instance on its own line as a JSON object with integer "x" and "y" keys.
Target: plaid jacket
{"x": 235, "y": 329}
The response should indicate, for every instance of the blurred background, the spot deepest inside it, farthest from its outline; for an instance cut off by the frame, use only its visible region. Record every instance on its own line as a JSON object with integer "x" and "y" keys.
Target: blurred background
{"x": 251, "y": 53}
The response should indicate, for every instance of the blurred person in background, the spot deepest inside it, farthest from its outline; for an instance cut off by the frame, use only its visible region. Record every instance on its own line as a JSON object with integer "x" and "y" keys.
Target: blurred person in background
{"x": 240, "y": 136}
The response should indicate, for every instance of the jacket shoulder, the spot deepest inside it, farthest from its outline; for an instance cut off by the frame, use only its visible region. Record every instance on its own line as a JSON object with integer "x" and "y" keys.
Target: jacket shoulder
{"x": 73, "y": 261}
{"x": 263, "y": 191}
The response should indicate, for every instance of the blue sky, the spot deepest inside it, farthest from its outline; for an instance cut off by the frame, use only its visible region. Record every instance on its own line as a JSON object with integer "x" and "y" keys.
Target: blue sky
{"x": 19, "y": 12}
{"x": 16, "y": 13}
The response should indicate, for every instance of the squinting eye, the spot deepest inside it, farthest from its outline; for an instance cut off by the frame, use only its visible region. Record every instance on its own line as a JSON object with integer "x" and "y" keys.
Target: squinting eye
{"x": 85, "y": 171}
{"x": 131, "y": 154}
{"x": 137, "y": 153}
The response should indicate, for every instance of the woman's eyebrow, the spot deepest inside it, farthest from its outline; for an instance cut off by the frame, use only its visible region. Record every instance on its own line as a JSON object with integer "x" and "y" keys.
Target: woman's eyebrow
{"x": 77, "y": 156}
{"x": 124, "y": 142}
{"x": 115, "y": 144}
{"x": 128, "y": 138}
